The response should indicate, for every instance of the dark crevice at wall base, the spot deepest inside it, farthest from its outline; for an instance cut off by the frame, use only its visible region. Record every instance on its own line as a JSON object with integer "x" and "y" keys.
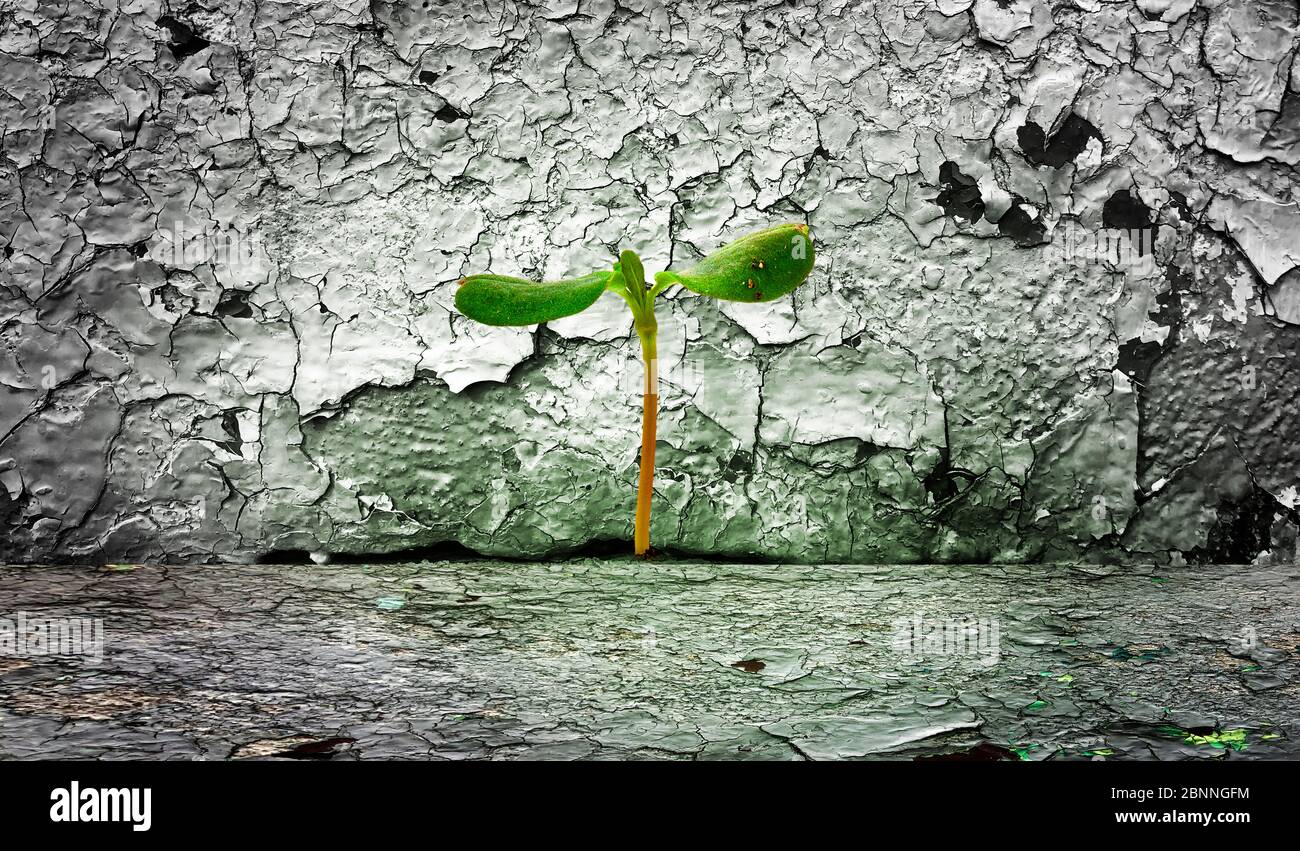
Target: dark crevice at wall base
{"x": 444, "y": 551}
{"x": 451, "y": 551}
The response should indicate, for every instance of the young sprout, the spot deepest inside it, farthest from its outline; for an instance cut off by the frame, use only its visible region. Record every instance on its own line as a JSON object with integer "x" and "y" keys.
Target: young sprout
{"x": 761, "y": 266}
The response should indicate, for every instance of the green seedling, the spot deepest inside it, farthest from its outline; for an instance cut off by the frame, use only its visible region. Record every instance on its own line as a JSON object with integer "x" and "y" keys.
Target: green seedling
{"x": 761, "y": 266}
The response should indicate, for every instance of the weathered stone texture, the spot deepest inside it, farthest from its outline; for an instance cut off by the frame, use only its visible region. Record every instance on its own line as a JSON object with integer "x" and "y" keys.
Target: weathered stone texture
{"x": 232, "y": 232}
{"x": 617, "y": 659}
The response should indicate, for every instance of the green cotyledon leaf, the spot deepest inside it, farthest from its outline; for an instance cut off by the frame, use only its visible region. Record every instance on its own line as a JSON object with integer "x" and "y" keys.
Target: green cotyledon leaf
{"x": 761, "y": 266}
{"x": 502, "y": 300}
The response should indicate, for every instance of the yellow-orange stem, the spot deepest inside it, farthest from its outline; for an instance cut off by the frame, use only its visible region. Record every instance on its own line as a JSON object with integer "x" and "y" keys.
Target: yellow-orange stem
{"x": 647, "y": 329}
{"x": 646, "y": 478}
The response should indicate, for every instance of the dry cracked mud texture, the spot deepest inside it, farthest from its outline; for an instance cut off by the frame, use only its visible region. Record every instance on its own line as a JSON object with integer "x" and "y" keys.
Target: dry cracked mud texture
{"x": 606, "y": 660}
{"x": 232, "y": 230}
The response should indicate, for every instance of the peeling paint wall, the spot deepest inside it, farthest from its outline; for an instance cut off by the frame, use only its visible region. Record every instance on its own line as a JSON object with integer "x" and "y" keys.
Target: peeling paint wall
{"x": 232, "y": 232}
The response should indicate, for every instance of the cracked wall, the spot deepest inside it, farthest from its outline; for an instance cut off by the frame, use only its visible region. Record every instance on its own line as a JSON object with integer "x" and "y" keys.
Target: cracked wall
{"x": 232, "y": 232}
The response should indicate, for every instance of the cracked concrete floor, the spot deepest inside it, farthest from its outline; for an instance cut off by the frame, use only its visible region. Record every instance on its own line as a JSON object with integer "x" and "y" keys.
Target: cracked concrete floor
{"x": 615, "y": 659}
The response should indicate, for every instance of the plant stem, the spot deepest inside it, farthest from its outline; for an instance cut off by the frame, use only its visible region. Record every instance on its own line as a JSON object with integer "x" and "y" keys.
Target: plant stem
{"x": 646, "y": 329}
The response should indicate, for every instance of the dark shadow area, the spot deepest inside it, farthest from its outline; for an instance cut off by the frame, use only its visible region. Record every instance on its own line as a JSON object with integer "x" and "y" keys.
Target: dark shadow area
{"x": 1063, "y": 146}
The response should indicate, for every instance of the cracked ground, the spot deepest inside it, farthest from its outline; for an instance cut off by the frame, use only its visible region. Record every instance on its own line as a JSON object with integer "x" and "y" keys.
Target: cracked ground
{"x": 613, "y": 660}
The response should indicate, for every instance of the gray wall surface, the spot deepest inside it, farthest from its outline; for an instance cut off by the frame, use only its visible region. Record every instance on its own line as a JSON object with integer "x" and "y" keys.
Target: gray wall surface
{"x": 1054, "y": 314}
